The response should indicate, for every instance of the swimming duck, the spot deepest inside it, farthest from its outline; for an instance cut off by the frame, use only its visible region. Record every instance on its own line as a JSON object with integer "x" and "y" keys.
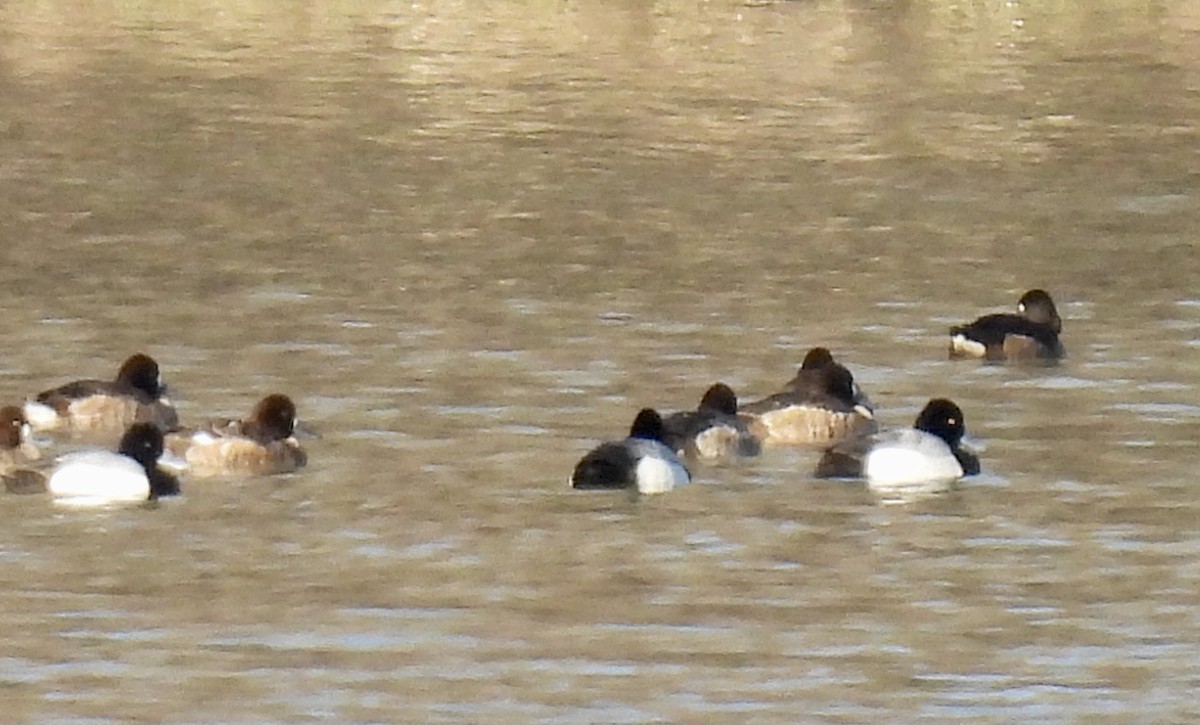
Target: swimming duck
{"x": 261, "y": 444}
{"x": 17, "y": 452}
{"x": 819, "y": 406}
{"x": 713, "y": 430}
{"x": 102, "y": 477}
{"x": 930, "y": 452}
{"x": 1031, "y": 334}
{"x": 106, "y": 407}
{"x": 641, "y": 461}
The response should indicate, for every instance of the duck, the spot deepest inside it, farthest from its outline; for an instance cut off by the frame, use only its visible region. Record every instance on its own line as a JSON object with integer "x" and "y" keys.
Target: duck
{"x": 713, "y": 431}
{"x": 261, "y": 444}
{"x": 18, "y": 453}
{"x": 99, "y": 477}
{"x": 1029, "y": 335}
{"x": 808, "y": 375}
{"x": 106, "y": 408}
{"x": 641, "y": 461}
{"x": 930, "y": 452}
{"x": 820, "y": 406}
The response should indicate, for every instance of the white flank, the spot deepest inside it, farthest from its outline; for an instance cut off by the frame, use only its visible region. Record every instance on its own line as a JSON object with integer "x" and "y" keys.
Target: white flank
{"x": 98, "y": 477}
{"x": 964, "y": 345}
{"x": 40, "y": 415}
{"x": 911, "y": 458}
{"x": 658, "y": 468}
{"x": 659, "y": 475}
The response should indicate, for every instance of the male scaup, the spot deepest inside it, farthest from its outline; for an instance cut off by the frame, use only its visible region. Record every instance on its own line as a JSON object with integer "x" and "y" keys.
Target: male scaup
{"x": 1031, "y": 334}
{"x": 261, "y": 444}
{"x": 929, "y": 452}
{"x": 713, "y": 430}
{"x": 103, "y": 477}
{"x": 820, "y": 406}
{"x": 641, "y": 461}
{"x": 101, "y": 407}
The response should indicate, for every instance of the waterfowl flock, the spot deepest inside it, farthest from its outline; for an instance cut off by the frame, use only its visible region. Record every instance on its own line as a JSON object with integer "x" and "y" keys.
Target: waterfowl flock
{"x": 140, "y": 448}
{"x": 123, "y": 441}
{"x": 822, "y": 407}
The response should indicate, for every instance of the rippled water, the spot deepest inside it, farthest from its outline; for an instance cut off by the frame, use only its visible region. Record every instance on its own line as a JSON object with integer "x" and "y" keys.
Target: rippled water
{"x": 473, "y": 238}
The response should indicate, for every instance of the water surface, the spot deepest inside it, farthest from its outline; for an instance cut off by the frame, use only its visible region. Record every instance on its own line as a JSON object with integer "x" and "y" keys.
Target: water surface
{"x": 472, "y": 239}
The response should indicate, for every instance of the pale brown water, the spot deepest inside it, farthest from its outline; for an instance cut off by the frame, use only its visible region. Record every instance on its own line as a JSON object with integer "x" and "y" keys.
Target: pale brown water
{"x": 473, "y": 238}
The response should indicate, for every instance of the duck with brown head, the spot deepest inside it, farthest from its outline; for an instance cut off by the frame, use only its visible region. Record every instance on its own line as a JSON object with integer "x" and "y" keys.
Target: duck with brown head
{"x": 18, "y": 454}
{"x": 819, "y": 407}
{"x": 713, "y": 431}
{"x": 262, "y": 444}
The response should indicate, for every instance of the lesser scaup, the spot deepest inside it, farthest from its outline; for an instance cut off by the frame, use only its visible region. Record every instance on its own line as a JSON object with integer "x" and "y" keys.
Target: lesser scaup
{"x": 641, "y": 461}
{"x": 808, "y": 377}
{"x": 820, "y": 406}
{"x": 930, "y": 452}
{"x": 101, "y": 407}
{"x": 17, "y": 452}
{"x": 713, "y": 430}
{"x": 102, "y": 477}
{"x": 261, "y": 444}
{"x": 1031, "y": 334}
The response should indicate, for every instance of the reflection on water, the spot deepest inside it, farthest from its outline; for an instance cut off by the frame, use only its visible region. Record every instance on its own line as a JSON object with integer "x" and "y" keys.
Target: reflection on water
{"x": 472, "y": 238}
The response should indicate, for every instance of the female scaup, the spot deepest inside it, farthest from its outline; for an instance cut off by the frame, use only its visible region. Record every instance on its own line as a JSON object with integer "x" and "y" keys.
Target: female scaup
{"x": 15, "y": 447}
{"x": 1031, "y": 334}
{"x": 930, "y": 452}
{"x": 100, "y": 407}
{"x": 713, "y": 430}
{"x": 808, "y": 377}
{"x": 103, "y": 477}
{"x": 16, "y": 452}
{"x": 642, "y": 460}
{"x": 820, "y": 406}
{"x": 261, "y": 444}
